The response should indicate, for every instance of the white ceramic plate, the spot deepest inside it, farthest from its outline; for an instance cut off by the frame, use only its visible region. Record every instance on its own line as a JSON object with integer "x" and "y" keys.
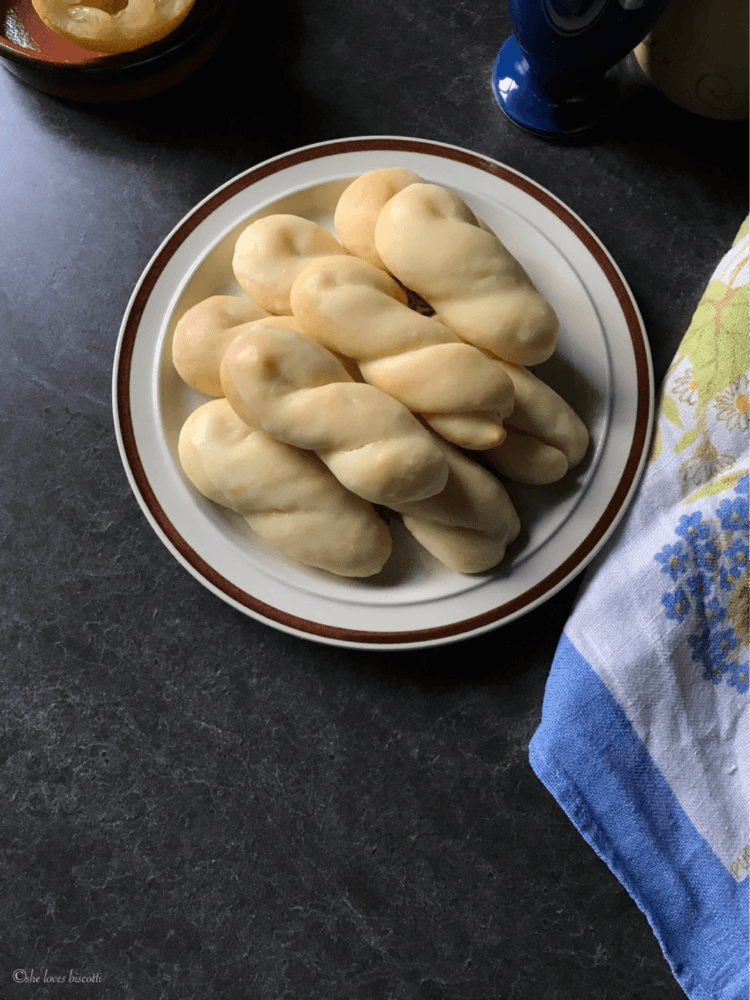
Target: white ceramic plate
{"x": 602, "y": 366}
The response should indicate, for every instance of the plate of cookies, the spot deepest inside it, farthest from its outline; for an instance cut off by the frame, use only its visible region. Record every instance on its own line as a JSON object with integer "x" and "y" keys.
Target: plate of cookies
{"x": 382, "y": 392}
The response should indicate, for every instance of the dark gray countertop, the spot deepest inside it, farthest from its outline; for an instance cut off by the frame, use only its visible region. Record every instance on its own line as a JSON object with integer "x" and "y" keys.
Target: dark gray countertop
{"x": 197, "y": 805}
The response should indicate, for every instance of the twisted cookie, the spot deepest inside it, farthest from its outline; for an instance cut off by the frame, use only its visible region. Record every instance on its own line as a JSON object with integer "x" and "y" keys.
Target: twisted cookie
{"x": 287, "y": 496}
{"x": 271, "y": 252}
{"x": 358, "y": 208}
{"x": 545, "y": 437}
{"x": 470, "y": 523}
{"x": 432, "y": 242}
{"x": 301, "y": 394}
{"x": 351, "y": 307}
{"x": 202, "y": 335}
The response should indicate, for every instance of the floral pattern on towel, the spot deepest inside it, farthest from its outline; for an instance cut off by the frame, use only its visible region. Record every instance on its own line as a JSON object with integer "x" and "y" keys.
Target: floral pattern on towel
{"x": 700, "y": 452}
{"x": 709, "y": 564}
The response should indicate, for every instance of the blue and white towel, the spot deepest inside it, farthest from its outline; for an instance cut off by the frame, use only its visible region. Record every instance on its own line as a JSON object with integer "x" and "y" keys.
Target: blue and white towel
{"x": 644, "y": 732}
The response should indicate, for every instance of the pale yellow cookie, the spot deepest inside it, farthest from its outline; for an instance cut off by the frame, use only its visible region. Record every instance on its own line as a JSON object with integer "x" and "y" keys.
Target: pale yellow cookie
{"x": 545, "y": 436}
{"x": 287, "y": 496}
{"x": 469, "y": 525}
{"x": 526, "y": 459}
{"x": 352, "y": 307}
{"x": 358, "y": 208}
{"x": 300, "y": 393}
{"x": 202, "y": 335}
{"x": 433, "y": 243}
{"x": 271, "y": 252}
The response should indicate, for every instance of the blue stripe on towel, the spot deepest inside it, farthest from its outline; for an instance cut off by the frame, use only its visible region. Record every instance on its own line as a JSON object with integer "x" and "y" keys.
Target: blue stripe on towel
{"x": 591, "y": 759}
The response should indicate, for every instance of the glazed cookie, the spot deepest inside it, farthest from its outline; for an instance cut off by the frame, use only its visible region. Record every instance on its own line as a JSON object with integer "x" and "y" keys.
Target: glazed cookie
{"x": 358, "y": 208}
{"x": 287, "y": 496}
{"x": 202, "y": 335}
{"x": 434, "y": 244}
{"x": 301, "y": 394}
{"x": 545, "y": 436}
{"x": 271, "y": 252}
{"x": 351, "y": 307}
{"x": 469, "y": 525}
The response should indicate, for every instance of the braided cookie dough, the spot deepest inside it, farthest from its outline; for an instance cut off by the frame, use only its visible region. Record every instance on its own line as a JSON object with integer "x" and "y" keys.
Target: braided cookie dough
{"x": 433, "y": 243}
{"x": 359, "y": 206}
{"x": 545, "y": 436}
{"x": 298, "y": 392}
{"x": 202, "y": 335}
{"x": 469, "y": 525}
{"x": 271, "y": 252}
{"x": 112, "y": 25}
{"x": 287, "y": 496}
{"x": 292, "y": 323}
{"x": 351, "y": 307}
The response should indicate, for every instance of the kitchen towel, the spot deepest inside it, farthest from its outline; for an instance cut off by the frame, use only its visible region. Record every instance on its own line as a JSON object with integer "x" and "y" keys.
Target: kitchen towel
{"x": 644, "y": 733}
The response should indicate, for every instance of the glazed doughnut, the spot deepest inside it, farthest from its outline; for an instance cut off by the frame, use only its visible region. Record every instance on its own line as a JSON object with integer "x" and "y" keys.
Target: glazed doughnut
{"x": 433, "y": 243}
{"x": 202, "y": 335}
{"x": 358, "y": 208}
{"x": 287, "y": 496}
{"x": 350, "y": 306}
{"x": 271, "y": 252}
{"x": 545, "y": 436}
{"x": 112, "y": 25}
{"x": 298, "y": 392}
{"x": 470, "y": 523}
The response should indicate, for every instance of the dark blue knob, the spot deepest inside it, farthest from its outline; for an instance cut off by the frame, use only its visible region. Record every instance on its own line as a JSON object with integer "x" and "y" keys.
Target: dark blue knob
{"x": 550, "y": 77}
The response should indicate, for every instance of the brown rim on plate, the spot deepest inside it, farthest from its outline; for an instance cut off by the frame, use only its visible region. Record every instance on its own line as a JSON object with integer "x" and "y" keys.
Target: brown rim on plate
{"x": 547, "y": 586}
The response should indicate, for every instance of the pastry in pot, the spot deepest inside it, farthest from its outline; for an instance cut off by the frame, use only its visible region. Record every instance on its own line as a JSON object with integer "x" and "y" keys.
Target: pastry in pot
{"x": 112, "y": 26}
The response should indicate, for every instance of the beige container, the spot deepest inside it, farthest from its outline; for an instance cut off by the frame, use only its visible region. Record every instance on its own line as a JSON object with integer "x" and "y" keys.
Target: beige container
{"x": 697, "y": 55}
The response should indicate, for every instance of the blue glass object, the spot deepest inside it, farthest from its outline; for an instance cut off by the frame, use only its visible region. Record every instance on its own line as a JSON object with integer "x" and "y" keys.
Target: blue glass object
{"x": 551, "y": 76}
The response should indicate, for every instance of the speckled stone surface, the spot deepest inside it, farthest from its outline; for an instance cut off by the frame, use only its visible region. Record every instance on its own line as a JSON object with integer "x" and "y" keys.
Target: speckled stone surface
{"x": 195, "y": 805}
